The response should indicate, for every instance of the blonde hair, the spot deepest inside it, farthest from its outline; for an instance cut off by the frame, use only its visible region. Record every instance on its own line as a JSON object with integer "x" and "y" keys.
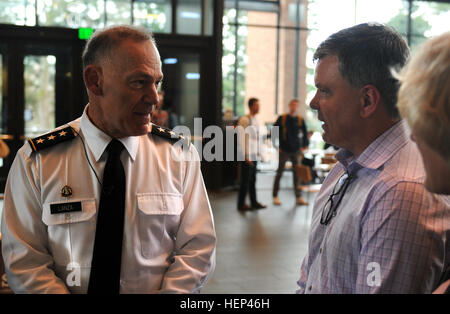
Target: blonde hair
{"x": 424, "y": 95}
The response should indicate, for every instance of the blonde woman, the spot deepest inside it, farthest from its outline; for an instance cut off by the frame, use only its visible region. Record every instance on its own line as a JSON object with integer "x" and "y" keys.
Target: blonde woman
{"x": 424, "y": 100}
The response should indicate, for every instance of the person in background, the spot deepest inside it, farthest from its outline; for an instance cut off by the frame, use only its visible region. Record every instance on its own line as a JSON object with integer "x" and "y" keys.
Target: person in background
{"x": 249, "y": 145}
{"x": 375, "y": 228}
{"x": 159, "y": 115}
{"x": 424, "y": 101}
{"x": 293, "y": 138}
{"x": 106, "y": 204}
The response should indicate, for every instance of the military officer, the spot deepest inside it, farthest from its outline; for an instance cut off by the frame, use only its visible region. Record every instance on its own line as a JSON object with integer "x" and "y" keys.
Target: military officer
{"x": 57, "y": 205}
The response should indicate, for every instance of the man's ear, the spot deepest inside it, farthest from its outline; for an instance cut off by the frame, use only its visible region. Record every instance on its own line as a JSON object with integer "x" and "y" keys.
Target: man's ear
{"x": 93, "y": 78}
{"x": 370, "y": 100}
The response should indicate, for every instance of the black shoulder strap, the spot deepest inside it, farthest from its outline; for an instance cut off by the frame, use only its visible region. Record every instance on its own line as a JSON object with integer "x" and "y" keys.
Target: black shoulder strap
{"x": 51, "y": 139}
{"x": 169, "y": 134}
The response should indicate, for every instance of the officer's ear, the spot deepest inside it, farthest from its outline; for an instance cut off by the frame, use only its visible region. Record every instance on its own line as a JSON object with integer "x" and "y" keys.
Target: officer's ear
{"x": 370, "y": 100}
{"x": 93, "y": 78}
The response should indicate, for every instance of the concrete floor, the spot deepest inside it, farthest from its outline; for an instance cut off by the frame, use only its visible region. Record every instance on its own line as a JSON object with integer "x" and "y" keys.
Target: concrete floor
{"x": 260, "y": 251}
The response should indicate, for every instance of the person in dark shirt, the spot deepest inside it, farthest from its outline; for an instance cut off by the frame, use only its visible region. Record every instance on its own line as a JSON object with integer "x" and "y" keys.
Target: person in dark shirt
{"x": 293, "y": 137}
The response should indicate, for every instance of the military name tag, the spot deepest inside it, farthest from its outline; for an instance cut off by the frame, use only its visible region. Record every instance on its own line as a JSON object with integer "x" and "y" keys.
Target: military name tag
{"x": 65, "y": 208}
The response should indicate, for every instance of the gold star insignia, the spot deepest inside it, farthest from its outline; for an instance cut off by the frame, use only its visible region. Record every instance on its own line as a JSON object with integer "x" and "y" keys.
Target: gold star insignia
{"x": 161, "y": 129}
{"x": 172, "y": 133}
{"x": 62, "y": 133}
{"x": 39, "y": 141}
{"x": 51, "y": 137}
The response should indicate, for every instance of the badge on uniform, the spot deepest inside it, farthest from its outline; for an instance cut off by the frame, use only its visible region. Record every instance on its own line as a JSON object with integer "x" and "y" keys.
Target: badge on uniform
{"x": 169, "y": 134}
{"x": 62, "y": 208}
{"x": 66, "y": 191}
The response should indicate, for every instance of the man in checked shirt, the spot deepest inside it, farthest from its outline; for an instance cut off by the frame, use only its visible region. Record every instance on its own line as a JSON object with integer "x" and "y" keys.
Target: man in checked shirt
{"x": 375, "y": 229}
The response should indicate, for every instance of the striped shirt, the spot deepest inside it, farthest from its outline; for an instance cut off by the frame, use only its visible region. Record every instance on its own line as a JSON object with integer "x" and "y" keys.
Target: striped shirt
{"x": 389, "y": 234}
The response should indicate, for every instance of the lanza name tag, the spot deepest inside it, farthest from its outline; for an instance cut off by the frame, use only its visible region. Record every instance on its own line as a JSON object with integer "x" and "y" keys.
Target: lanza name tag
{"x": 65, "y": 208}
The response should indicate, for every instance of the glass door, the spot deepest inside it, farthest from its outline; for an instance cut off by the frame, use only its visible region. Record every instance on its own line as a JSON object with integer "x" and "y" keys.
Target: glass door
{"x": 181, "y": 85}
{"x": 36, "y": 89}
{"x": 39, "y": 90}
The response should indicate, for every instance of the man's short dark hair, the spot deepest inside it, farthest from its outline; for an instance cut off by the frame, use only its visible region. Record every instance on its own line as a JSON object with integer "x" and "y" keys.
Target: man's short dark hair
{"x": 367, "y": 53}
{"x": 103, "y": 41}
{"x": 251, "y": 101}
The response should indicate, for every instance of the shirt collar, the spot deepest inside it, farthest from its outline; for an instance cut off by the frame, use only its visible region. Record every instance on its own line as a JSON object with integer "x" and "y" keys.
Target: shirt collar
{"x": 97, "y": 140}
{"x": 379, "y": 151}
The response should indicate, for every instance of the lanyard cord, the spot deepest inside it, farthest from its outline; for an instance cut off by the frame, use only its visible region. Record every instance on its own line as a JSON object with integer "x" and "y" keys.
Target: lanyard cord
{"x": 87, "y": 158}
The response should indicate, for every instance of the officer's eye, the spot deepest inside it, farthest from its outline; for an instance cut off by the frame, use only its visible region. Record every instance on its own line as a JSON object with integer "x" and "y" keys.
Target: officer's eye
{"x": 138, "y": 83}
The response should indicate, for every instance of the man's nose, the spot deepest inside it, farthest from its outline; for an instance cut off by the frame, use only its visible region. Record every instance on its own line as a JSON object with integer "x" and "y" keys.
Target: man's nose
{"x": 151, "y": 96}
{"x": 314, "y": 102}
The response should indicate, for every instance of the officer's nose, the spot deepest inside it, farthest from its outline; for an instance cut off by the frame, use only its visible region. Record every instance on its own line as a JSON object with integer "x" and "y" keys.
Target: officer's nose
{"x": 151, "y": 96}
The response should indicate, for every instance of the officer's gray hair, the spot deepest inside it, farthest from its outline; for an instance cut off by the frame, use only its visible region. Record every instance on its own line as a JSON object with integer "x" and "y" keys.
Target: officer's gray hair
{"x": 103, "y": 41}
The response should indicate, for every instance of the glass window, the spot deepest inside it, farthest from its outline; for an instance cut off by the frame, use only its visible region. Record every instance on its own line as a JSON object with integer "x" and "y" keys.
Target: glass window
{"x": 293, "y": 13}
{"x": 118, "y": 12}
{"x": 39, "y": 78}
{"x": 241, "y": 70}
{"x": 328, "y": 16}
{"x": 429, "y": 19}
{"x": 229, "y": 15}
{"x": 155, "y": 15}
{"x": 234, "y": 61}
{"x": 416, "y": 41}
{"x": 291, "y": 69}
{"x": 269, "y": 7}
{"x": 391, "y": 12}
{"x": 182, "y": 87}
{"x": 260, "y": 70}
{"x": 71, "y": 13}
{"x": 313, "y": 40}
{"x": 188, "y": 94}
{"x": 229, "y": 64}
{"x": 209, "y": 18}
{"x": 189, "y": 17}
{"x": 19, "y": 12}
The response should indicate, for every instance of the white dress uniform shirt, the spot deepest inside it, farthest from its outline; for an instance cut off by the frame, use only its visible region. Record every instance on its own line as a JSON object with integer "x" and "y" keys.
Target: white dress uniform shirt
{"x": 169, "y": 238}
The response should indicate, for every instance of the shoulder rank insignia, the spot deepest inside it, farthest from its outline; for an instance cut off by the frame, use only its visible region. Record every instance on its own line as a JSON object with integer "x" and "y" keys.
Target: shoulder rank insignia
{"x": 51, "y": 139}
{"x": 169, "y": 134}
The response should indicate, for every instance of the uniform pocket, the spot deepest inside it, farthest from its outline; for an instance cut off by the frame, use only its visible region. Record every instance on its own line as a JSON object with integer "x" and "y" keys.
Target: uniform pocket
{"x": 158, "y": 220}
{"x": 160, "y": 203}
{"x": 70, "y": 233}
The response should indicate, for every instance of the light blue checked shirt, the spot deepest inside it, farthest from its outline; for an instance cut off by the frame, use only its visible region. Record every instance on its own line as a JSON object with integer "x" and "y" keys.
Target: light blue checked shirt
{"x": 389, "y": 234}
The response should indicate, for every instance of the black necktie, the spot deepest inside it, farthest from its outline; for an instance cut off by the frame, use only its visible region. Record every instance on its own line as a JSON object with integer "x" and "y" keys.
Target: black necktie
{"x": 106, "y": 258}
